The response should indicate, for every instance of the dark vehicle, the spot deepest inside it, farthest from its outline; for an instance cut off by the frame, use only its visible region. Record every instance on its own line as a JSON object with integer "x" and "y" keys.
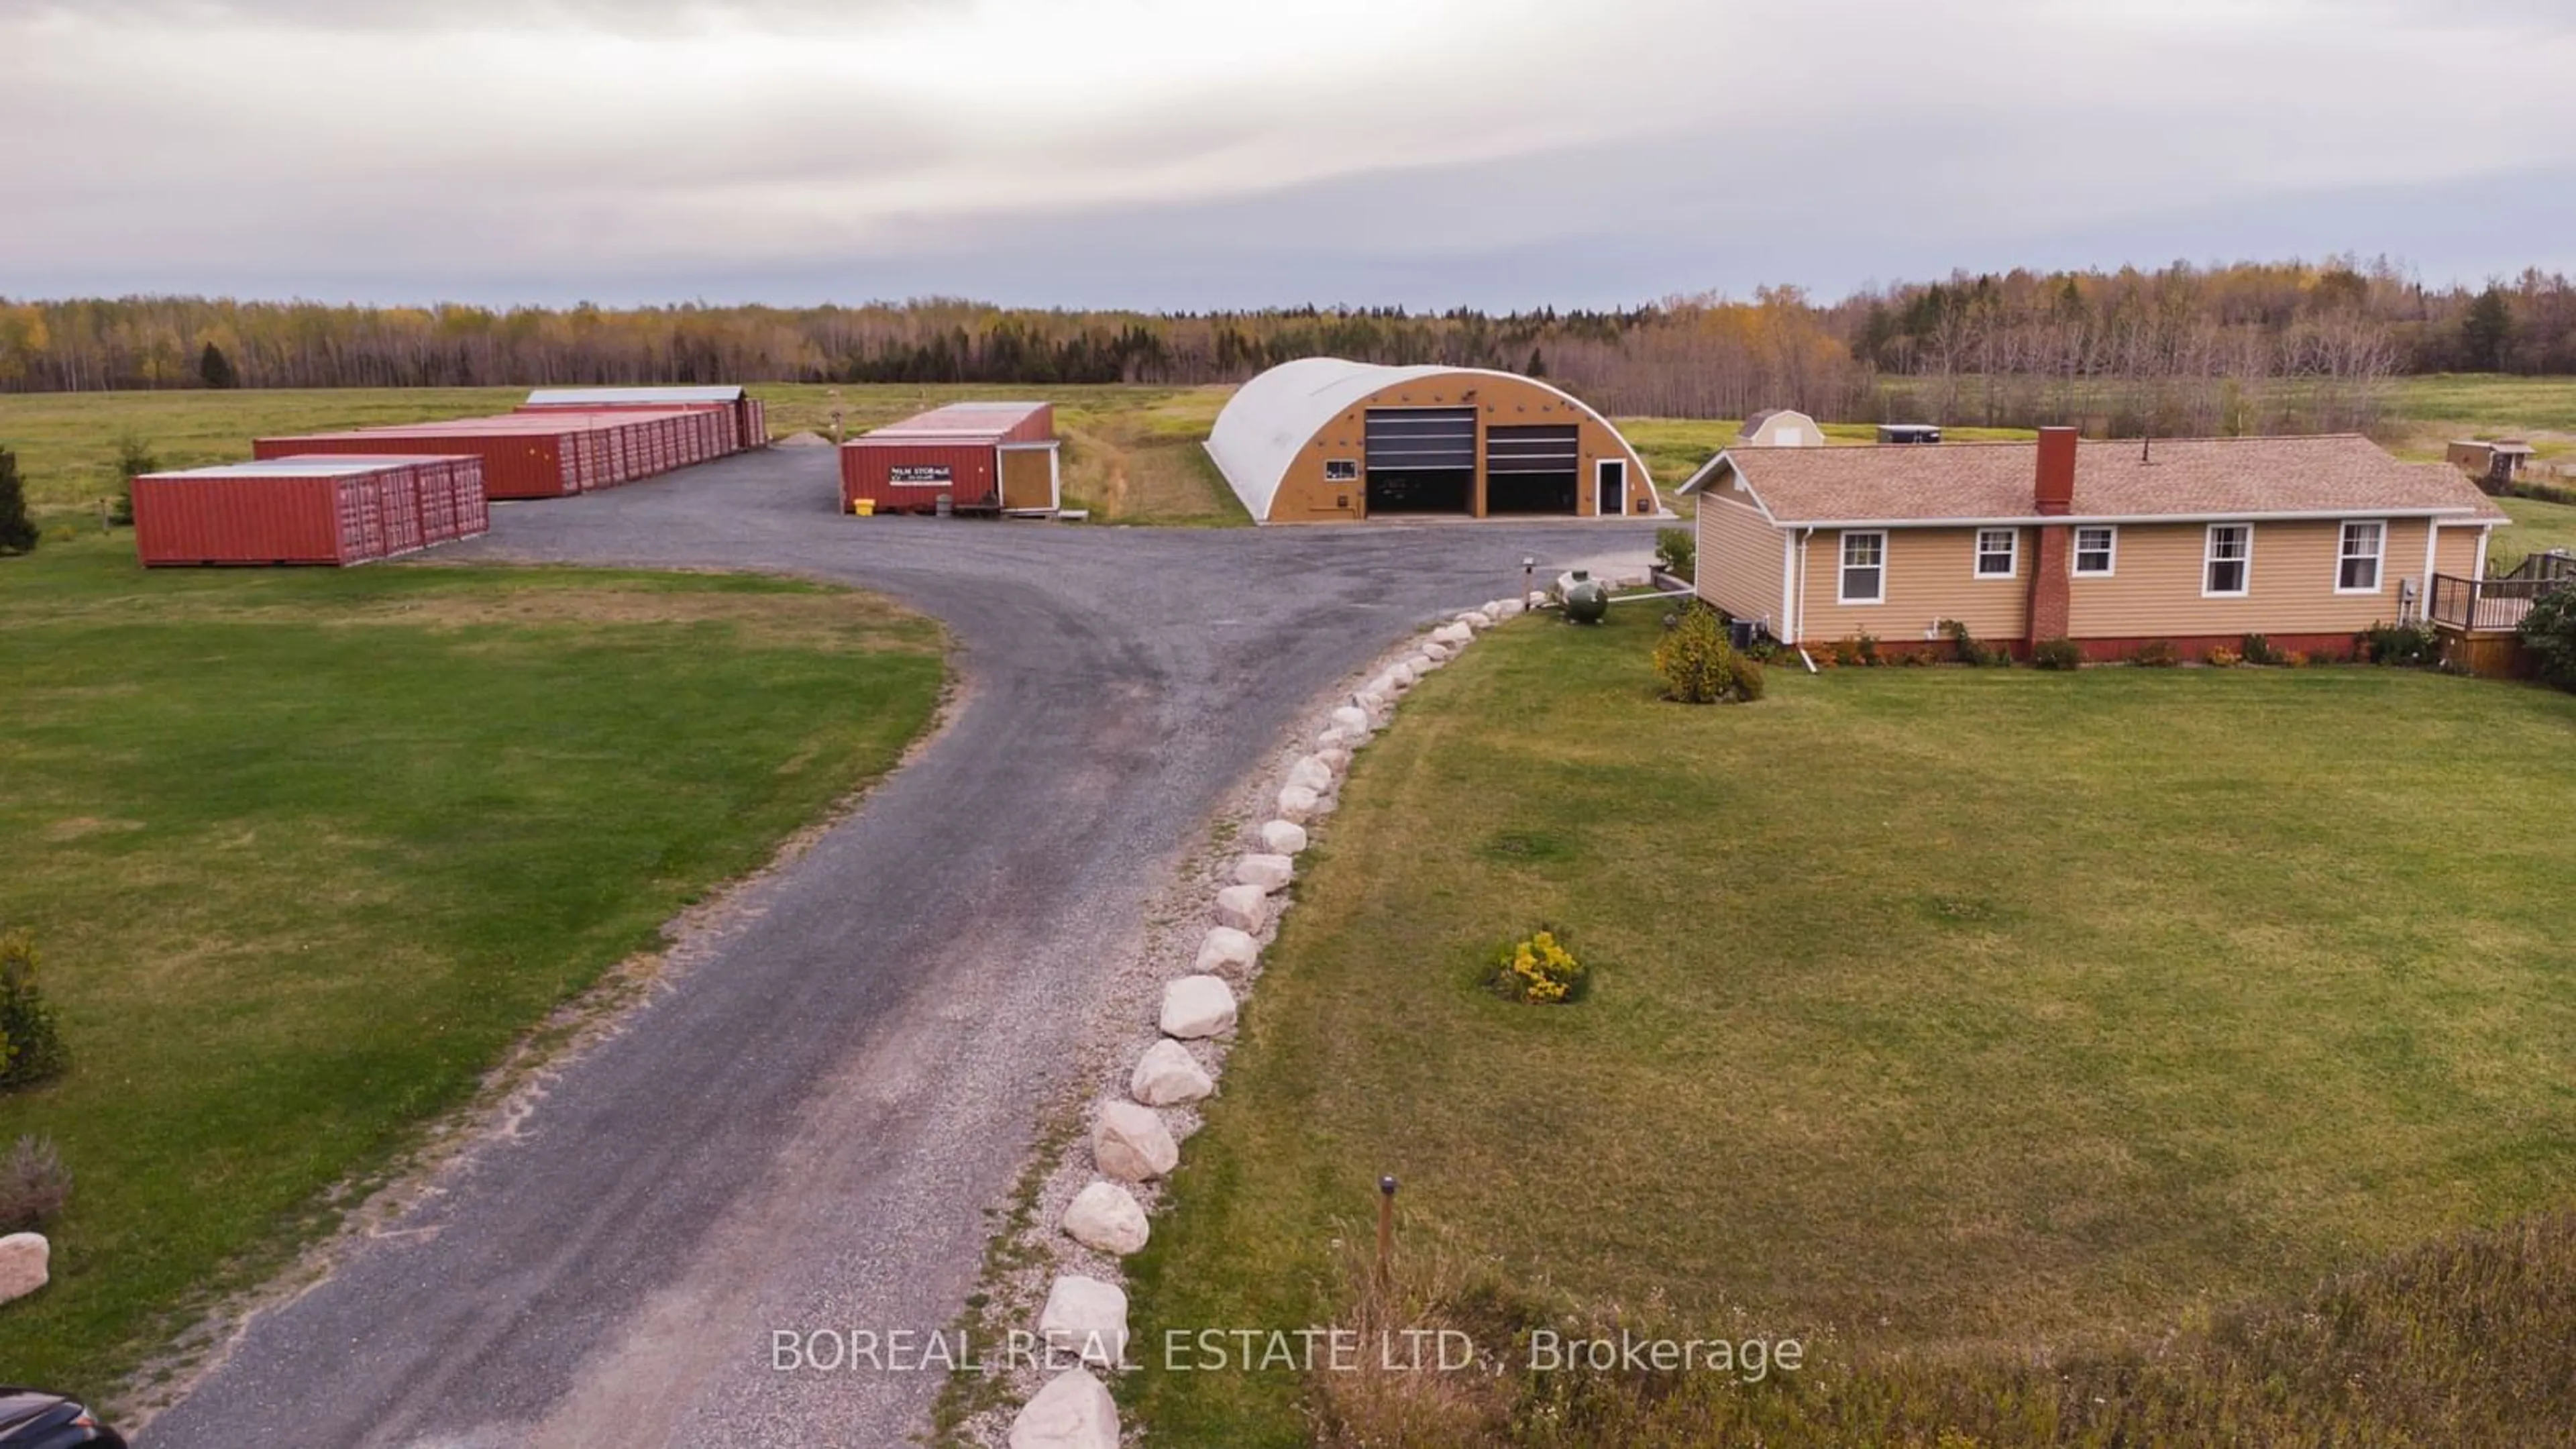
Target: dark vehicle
{"x": 36, "y": 1419}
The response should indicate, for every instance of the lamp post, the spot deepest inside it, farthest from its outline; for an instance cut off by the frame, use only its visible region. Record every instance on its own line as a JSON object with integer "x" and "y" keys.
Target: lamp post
{"x": 1529, "y": 578}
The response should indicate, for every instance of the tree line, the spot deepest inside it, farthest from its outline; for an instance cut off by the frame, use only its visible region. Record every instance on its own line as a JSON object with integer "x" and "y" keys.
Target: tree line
{"x": 2248, "y": 347}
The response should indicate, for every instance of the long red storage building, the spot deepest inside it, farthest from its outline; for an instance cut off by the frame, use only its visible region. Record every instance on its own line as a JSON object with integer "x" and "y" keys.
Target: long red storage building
{"x": 548, "y": 453}
{"x": 749, "y": 416}
{"x": 307, "y": 510}
{"x": 980, "y": 457}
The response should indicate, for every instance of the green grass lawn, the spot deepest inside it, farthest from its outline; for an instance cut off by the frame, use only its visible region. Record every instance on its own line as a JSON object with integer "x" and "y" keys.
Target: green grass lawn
{"x": 306, "y": 851}
{"x": 2488, "y": 404}
{"x": 2537, "y": 527}
{"x": 1942, "y": 1016}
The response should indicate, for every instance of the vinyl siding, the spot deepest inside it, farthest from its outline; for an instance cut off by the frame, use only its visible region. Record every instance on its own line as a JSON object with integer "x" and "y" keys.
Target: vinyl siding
{"x": 1739, "y": 559}
{"x": 1930, "y": 577}
{"x": 2155, "y": 589}
{"x": 2457, "y": 552}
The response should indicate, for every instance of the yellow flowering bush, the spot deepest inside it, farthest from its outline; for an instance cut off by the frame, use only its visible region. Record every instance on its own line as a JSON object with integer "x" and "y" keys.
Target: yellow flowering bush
{"x": 1538, "y": 971}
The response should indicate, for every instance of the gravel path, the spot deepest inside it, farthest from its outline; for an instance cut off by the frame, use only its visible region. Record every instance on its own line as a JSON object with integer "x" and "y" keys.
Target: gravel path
{"x": 809, "y": 1128}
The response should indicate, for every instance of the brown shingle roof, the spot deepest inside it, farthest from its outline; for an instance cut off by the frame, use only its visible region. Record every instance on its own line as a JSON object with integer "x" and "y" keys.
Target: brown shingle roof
{"x": 2187, "y": 478}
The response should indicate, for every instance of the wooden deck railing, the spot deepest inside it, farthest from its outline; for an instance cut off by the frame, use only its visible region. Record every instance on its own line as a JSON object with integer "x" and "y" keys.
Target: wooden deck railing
{"x": 2497, "y": 606}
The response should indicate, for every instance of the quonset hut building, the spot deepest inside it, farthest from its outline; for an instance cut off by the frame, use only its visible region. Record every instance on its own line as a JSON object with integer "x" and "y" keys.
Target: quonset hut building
{"x": 1323, "y": 440}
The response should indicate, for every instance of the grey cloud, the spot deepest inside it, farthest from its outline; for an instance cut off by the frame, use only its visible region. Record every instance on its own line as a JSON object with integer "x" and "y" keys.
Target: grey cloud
{"x": 638, "y": 17}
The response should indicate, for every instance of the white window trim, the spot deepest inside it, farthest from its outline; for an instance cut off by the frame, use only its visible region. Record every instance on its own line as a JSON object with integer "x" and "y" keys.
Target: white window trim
{"x": 1843, "y": 566}
{"x": 1330, "y": 476}
{"x": 2378, "y": 560}
{"x": 2012, "y": 553}
{"x": 2208, "y": 556}
{"x": 2075, "y": 554}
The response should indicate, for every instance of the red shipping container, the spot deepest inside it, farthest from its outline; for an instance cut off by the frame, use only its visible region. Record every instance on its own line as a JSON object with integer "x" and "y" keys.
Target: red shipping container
{"x": 534, "y": 461}
{"x": 953, "y": 450}
{"x": 301, "y": 510}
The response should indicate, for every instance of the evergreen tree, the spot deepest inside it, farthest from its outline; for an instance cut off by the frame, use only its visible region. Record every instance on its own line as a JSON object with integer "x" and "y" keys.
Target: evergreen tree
{"x": 215, "y": 369}
{"x": 2487, "y": 331}
{"x": 1537, "y": 365}
{"x": 17, "y": 530}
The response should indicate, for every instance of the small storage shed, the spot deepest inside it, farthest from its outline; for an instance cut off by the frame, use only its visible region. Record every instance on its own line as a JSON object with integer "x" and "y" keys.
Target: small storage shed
{"x": 979, "y": 457}
{"x": 1780, "y": 428}
{"x": 307, "y": 510}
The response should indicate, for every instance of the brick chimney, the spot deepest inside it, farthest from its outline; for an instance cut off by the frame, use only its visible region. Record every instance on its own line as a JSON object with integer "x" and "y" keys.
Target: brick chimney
{"x": 2052, "y": 496}
{"x": 2055, "y": 492}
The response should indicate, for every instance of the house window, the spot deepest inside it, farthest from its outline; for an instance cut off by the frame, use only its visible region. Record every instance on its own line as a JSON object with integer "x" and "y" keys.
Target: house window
{"x": 1998, "y": 552}
{"x": 1864, "y": 579}
{"x": 2229, "y": 558}
{"x": 2096, "y": 549}
{"x": 1341, "y": 470}
{"x": 2357, "y": 566}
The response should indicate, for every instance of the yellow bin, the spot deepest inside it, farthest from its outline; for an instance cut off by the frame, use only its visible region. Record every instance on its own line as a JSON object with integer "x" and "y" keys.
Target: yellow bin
{"x": 863, "y": 507}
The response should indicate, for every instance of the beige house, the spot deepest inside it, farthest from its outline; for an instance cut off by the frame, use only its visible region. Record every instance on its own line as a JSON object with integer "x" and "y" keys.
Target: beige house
{"x": 2112, "y": 544}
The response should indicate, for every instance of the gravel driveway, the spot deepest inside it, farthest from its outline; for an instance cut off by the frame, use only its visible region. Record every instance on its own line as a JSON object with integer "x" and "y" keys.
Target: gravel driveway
{"x": 809, "y": 1128}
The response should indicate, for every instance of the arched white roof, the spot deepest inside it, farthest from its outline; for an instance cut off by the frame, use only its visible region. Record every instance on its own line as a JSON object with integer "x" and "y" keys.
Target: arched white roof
{"x": 1269, "y": 418}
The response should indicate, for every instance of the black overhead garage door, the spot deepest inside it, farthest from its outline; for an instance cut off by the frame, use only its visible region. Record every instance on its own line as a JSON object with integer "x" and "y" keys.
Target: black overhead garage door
{"x": 1532, "y": 469}
{"x": 1421, "y": 460}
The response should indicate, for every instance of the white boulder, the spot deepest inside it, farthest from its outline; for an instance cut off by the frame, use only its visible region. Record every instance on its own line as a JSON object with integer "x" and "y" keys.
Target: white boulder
{"x": 1401, "y": 673}
{"x": 1168, "y": 1076}
{"x": 25, "y": 1264}
{"x": 1537, "y": 599}
{"x": 1452, "y": 634}
{"x": 1074, "y": 1411}
{"x": 1476, "y": 619}
{"x": 1502, "y": 609}
{"x": 1228, "y": 946}
{"x": 1085, "y": 1317}
{"x": 1270, "y": 872}
{"x": 1283, "y": 837}
{"x": 1312, "y": 773}
{"x": 1106, "y": 1217}
{"x": 1339, "y": 757}
{"x": 1130, "y": 1143}
{"x": 1352, "y": 719}
{"x": 1246, "y": 908}
{"x": 1197, "y": 1006}
{"x": 1371, "y": 702}
{"x": 1296, "y": 804}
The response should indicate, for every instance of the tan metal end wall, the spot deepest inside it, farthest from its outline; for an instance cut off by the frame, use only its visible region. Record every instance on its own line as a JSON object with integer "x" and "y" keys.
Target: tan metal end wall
{"x": 1305, "y": 497}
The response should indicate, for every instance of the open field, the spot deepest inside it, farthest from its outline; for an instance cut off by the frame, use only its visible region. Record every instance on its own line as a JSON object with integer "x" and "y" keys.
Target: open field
{"x": 1943, "y": 1017}
{"x": 307, "y": 851}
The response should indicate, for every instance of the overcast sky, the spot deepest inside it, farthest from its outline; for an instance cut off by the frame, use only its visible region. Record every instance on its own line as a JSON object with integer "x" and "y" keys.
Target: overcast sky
{"x": 1216, "y": 153}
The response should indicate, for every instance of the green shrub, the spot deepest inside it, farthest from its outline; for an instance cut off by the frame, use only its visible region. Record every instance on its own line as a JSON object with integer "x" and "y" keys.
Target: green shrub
{"x": 2256, "y": 649}
{"x": 1866, "y": 647}
{"x": 1966, "y": 650}
{"x": 2414, "y": 646}
{"x": 2057, "y": 654}
{"x": 35, "y": 1048}
{"x": 17, "y": 530}
{"x": 1698, "y": 665}
{"x": 1539, "y": 971}
{"x": 2156, "y": 654}
{"x": 34, "y": 1185}
{"x": 134, "y": 458}
{"x": 2549, "y": 632}
{"x": 1677, "y": 549}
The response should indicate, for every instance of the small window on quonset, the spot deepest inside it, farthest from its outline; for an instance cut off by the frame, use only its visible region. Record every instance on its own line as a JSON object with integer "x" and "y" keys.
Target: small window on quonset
{"x": 1341, "y": 470}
